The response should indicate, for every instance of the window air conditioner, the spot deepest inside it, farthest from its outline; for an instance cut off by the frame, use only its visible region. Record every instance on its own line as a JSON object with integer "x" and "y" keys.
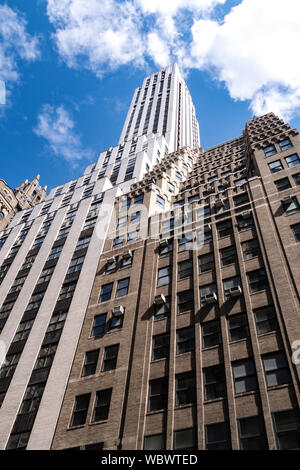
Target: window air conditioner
{"x": 235, "y": 291}
{"x": 118, "y": 311}
{"x": 159, "y": 299}
{"x": 111, "y": 260}
{"x": 127, "y": 254}
{"x": 211, "y": 298}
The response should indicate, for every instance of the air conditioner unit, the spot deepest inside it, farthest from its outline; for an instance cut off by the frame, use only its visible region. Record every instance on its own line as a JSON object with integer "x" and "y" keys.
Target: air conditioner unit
{"x": 218, "y": 203}
{"x": 235, "y": 291}
{"x": 159, "y": 299}
{"x": 127, "y": 254}
{"x": 210, "y": 298}
{"x": 111, "y": 260}
{"x": 207, "y": 227}
{"x": 246, "y": 214}
{"x": 163, "y": 243}
{"x": 118, "y": 311}
{"x": 42, "y": 233}
{"x": 287, "y": 200}
{"x": 91, "y": 214}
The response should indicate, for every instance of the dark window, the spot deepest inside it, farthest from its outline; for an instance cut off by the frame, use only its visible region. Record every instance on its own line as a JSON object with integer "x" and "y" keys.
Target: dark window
{"x": 224, "y": 228}
{"x": 238, "y": 327}
{"x": 123, "y": 286}
{"x": 287, "y": 426}
{"x": 164, "y": 276}
{"x": 111, "y": 265}
{"x": 211, "y": 333}
{"x": 155, "y": 442}
{"x": 276, "y": 369}
{"x": 296, "y": 178}
{"x": 292, "y": 206}
{"x": 166, "y": 249}
{"x": 204, "y": 236}
{"x": 102, "y": 404}
{"x": 245, "y": 223}
{"x": 206, "y": 290}
{"x": 185, "y": 269}
{"x": 115, "y": 323}
{"x": 241, "y": 199}
{"x": 285, "y": 144}
{"x": 252, "y": 433}
{"x": 251, "y": 249}
{"x": 185, "y": 388}
{"x": 228, "y": 255}
{"x": 217, "y": 436}
{"x": 214, "y": 382}
{"x": 206, "y": 262}
{"x": 296, "y": 231}
{"x": 185, "y": 243}
{"x": 275, "y": 166}
{"x": 185, "y": 301}
{"x": 80, "y": 409}
{"x": 139, "y": 199}
{"x": 283, "y": 184}
{"x": 185, "y": 439}
{"x": 18, "y": 441}
{"x": 185, "y": 340}
{"x": 158, "y": 394}
{"x": 160, "y": 346}
{"x": 229, "y": 284}
{"x": 266, "y": 319}
{"x": 292, "y": 160}
{"x": 9, "y": 365}
{"x": 106, "y": 291}
{"x": 90, "y": 363}
{"x": 244, "y": 374}
{"x": 257, "y": 280}
{"x": 118, "y": 241}
{"x": 110, "y": 358}
{"x": 270, "y": 150}
{"x": 99, "y": 324}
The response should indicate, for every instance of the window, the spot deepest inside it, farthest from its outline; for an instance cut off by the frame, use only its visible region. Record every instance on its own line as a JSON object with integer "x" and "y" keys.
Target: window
{"x": 23, "y": 331}
{"x": 296, "y": 231}
{"x": 57, "y": 322}
{"x": 185, "y": 243}
{"x": 55, "y": 252}
{"x": 185, "y": 439}
{"x": 205, "y": 290}
{"x": 238, "y": 327}
{"x": 292, "y": 160}
{"x": 286, "y": 426}
{"x": 102, "y": 404}
{"x": 275, "y": 166}
{"x": 292, "y": 206}
{"x": 18, "y": 284}
{"x": 229, "y": 283}
{"x": 164, "y": 276}
{"x": 80, "y": 409}
{"x": 46, "y": 356}
{"x": 266, "y": 319}
{"x": 214, "y": 382}
{"x": 122, "y": 222}
{"x": 283, "y": 184}
{"x": 139, "y": 199}
{"x": 99, "y": 324}
{"x": 158, "y": 394}
{"x": 167, "y": 225}
{"x": 240, "y": 181}
{"x": 206, "y": 262}
{"x": 185, "y": 301}
{"x": 270, "y": 150}
{"x": 228, "y": 255}
{"x": 18, "y": 441}
{"x": 185, "y": 388}
{"x": 241, "y": 199}
{"x": 9, "y": 365}
{"x": 178, "y": 176}
{"x": 118, "y": 241}
{"x": 160, "y": 346}
{"x": 217, "y": 436}
{"x": 133, "y": 236}
{"x": 160, "y": 202}
{"x": 276, "y": 369}
{"x": 163, "y": 310}
{"x": 67, "y": 291}
{"x": 135, "y": 217}
{"x": 296, "y": 178}
{"x": 244, "y": 376}
{"x": 244, "y": 223}
{"x": 285, "y": 145}
{"x": 252, "y": 433}
{"x": 185, "y": 340}
{"x": 224, "y": 228}
{"x": 106, "y": 291}
{"x": 90, "y": 363}
{"x": 122, "y": 287}
{"x": 191, "y": 199}
{"x": 115, "y": 323}
{"x": 204, "y": 236}
{"x": 111, "y": 265}
{"x": 211, "y": 334}
{"x": 166, "y": 249}
{"x": 75, "y": 265}
{"x": 126, "y": 261}
{"x": 185, "y": 269}
{"x": 250, "y": 249}
{"x": 257, "y": 280}
{"x": 110, "y": 358}
{"x": 155, "y": 442}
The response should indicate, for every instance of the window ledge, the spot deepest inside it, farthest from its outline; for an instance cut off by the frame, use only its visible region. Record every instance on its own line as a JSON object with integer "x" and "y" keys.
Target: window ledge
{"x": 214, "y": 400}
{"x": 245, "y": 394}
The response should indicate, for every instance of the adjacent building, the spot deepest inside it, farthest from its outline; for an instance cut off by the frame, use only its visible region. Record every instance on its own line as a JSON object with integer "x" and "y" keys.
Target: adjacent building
{"x": 50, "y": 254}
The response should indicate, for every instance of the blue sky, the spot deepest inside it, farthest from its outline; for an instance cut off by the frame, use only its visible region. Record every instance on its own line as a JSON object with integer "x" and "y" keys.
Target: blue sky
{"x": 71, "y": 66}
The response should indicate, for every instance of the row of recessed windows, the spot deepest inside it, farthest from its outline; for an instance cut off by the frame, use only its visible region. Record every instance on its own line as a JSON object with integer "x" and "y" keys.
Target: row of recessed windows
{"x": 291, "y": 160}
{"x": 283, "y": 145}
{"x": 252, "y": 434}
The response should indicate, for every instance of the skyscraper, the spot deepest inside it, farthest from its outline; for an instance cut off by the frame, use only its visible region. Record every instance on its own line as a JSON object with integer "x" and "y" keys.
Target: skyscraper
{"x": 46, "y": 282}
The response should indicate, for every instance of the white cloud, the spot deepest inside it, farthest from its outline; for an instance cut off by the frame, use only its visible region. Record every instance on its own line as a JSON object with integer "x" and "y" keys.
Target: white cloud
{"x": 253, "y": 50}
{"x": 57, "y": 128}
{"x": 15, "y": 43}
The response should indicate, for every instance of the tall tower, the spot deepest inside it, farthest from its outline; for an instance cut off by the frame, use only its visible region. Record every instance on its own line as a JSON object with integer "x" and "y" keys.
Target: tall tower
{"x": 50, "y": 253}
